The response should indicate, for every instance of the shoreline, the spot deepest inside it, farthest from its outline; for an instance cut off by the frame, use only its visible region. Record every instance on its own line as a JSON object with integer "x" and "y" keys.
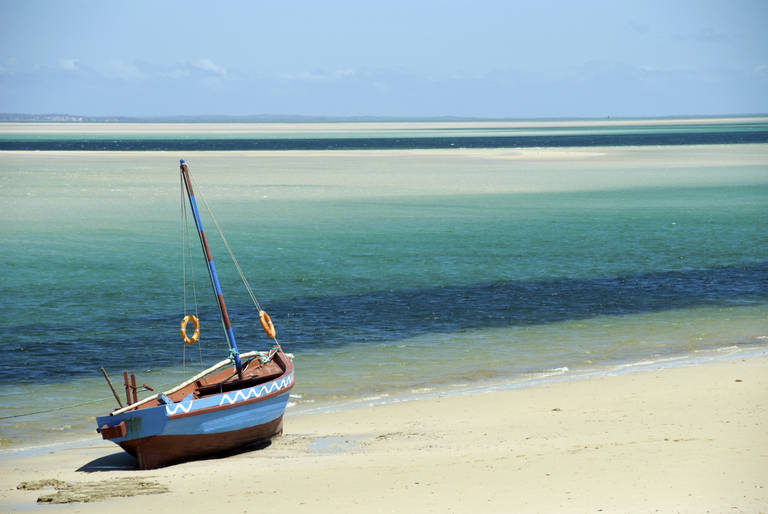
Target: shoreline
{"x": 686, "y": 438}
{"x": 525, "y": 381}
{"x": 545, "y": 378}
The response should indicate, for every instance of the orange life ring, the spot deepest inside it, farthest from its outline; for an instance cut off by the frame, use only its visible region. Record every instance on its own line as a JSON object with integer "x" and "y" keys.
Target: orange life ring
{"x": 266, "y": 324}
{"x": 195, "y": 335}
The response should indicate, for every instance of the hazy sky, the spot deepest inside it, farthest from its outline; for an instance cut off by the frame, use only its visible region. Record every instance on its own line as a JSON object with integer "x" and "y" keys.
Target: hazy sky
{"x": 415, "y": 58}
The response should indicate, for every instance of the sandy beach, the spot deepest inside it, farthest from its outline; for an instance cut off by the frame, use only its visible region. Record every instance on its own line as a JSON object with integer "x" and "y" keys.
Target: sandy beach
{"x": 684, "y": 439}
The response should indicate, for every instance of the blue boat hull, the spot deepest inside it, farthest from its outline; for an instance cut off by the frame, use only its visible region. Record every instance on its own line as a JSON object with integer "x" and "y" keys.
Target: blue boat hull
{"x": 168, "y": 433}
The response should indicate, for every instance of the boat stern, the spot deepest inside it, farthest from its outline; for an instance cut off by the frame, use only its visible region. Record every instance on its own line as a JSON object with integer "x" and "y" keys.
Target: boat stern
{"x": 134, "y": 424}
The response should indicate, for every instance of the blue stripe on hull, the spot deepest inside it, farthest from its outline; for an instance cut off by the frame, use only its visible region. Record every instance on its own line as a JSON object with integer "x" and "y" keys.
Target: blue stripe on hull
{"x": 237, "y": 411}
{"x": 236, "y": 418}
{"x": 155, "y": 421}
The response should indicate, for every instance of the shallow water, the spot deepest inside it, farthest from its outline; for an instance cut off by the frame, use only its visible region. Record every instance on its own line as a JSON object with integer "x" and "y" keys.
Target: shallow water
{"x": 386, "y": 273}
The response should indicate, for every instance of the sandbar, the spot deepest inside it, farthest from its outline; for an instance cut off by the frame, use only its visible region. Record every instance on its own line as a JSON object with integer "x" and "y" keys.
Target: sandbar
{"x": 347, "y": 126}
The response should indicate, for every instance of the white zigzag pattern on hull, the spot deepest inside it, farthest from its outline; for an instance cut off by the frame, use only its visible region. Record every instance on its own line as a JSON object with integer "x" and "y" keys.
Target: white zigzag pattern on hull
{"x": 178, "y": 407}
{"x": 239, "y": 396}
{"x": 256, "y": 391}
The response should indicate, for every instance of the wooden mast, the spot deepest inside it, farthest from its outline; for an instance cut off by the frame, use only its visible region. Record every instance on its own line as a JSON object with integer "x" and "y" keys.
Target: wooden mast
{"x": 235, "y": 354}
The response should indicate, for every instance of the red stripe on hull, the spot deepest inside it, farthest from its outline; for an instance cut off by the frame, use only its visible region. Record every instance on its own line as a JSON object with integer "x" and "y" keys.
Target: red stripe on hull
{"x": 163, "y": 450}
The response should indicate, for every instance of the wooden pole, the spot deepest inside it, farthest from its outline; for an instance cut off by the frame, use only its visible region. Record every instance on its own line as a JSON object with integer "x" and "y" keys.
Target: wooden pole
{"x": 127, "y": 388}
{"x": 109, "y": 382}
{"x": 134, "y": 388}
{"x": 211, "y": 270}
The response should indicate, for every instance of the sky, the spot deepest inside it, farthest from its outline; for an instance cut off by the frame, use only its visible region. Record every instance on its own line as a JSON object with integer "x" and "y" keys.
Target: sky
{"x": 484, "y": 59}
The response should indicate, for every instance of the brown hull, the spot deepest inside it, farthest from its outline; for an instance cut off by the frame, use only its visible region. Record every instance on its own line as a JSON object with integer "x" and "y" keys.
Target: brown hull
{"x": 158, "y": 451}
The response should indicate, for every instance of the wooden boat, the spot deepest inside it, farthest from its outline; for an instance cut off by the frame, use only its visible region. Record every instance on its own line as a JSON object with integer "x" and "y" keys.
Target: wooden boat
{"x": 239, "y": 401}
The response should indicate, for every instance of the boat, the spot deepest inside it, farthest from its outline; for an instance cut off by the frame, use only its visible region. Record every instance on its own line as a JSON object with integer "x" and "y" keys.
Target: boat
{"x": 237, "y": 402}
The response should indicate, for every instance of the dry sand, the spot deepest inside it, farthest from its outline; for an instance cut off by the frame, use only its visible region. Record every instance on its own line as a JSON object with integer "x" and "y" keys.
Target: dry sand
{"x": 686, "y": 439}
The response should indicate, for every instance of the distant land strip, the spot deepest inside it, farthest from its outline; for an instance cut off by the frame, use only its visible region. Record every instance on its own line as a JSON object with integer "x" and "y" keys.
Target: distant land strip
{"x": 290, "y": 118}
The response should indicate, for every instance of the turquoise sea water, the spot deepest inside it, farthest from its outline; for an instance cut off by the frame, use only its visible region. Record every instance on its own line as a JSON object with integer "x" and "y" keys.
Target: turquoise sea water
{"x": 386, "y": 273}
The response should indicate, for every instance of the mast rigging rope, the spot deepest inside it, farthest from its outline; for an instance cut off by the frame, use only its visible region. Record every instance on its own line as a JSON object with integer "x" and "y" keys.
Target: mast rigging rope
{"x": 229, "y": 249}
{"x": 248, "y": 288}
{"x": 186, "y": 253}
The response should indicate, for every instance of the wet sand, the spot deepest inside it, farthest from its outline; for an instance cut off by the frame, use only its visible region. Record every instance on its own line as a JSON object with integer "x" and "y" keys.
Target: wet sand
{"x": 685, "y": 439}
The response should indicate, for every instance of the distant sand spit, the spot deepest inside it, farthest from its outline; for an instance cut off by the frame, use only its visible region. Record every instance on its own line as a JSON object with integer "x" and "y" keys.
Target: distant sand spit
{"x": 326, "y": 127}
{"x": 743, "y": 154}
{"x": 367, "y": 173}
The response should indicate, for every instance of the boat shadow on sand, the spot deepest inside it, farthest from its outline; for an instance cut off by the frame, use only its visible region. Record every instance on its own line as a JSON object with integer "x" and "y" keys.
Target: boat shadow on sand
{"x": 121, "y": 461}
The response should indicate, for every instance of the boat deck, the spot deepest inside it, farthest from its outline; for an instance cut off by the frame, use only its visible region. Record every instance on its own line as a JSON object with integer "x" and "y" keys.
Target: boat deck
{"x": 254, "y": 373}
